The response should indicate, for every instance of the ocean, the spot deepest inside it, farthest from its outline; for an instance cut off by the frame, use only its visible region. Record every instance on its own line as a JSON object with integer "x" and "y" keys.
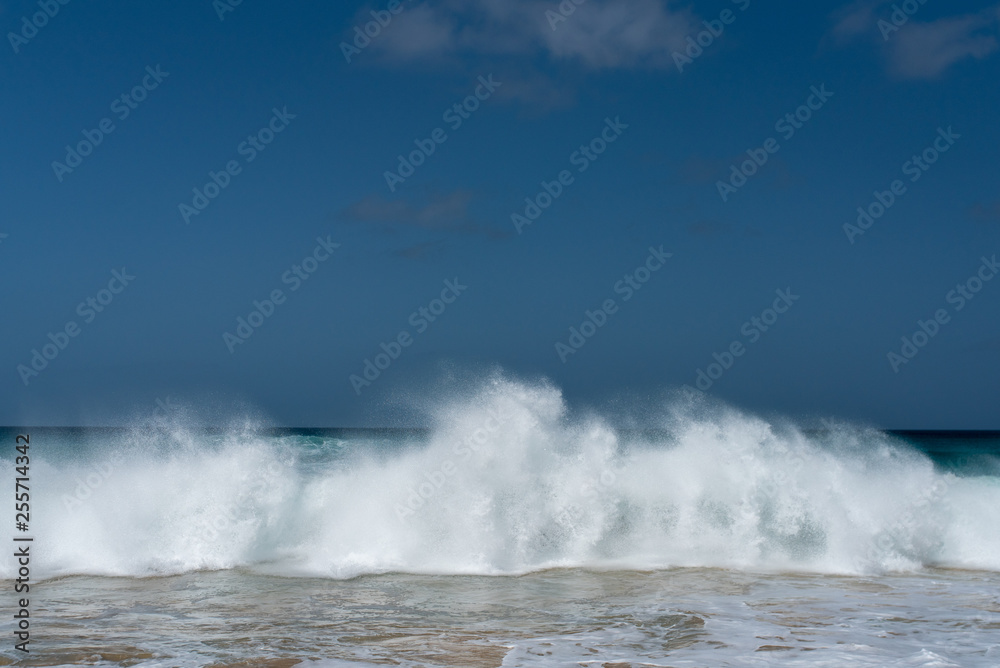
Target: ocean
{"x": 512, "y": 531}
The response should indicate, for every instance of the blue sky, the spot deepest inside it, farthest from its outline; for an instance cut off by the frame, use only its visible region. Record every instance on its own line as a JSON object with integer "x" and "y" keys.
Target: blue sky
{"x": 214, "y": 83}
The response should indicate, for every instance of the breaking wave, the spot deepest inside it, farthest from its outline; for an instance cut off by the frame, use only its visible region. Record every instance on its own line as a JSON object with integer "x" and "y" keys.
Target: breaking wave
{"x": 508, "y": 480}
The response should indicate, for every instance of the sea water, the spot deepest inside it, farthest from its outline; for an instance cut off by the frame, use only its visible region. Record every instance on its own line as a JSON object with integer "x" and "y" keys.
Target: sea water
{"x": 511, "y": 532}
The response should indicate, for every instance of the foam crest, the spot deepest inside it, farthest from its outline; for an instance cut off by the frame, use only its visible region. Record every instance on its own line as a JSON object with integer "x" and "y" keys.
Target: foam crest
{"x": 508, "y": 481}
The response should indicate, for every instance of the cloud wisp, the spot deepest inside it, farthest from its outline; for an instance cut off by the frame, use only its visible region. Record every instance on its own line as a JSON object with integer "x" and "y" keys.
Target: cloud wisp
{"x": 439, "y": 212}
{"x": 915, "y": 49}
{"x": 597, "y": 35}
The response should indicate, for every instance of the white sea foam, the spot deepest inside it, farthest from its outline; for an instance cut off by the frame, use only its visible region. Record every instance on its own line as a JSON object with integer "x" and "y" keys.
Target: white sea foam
{"x": 509, "y": 481}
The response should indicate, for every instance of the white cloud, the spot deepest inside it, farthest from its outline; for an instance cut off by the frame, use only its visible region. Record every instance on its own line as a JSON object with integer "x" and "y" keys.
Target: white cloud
{"x": 440, "y": 212}
{"x": 854, "y": 20}
{"x": 598, "y": 34}
{"x": 926, "y": 50}
{"x": 918, "y": 49}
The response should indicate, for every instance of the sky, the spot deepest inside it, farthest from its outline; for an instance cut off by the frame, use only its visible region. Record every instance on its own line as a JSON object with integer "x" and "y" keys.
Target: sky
{"x": 321, "y": 213}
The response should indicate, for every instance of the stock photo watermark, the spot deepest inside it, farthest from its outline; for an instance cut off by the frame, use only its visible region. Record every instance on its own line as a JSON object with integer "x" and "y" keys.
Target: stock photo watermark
{"x": 470, "y": 444}
{"x": 86, "y": 486}
{"x": 88, "y": 310}
{"x": 900, "y": 538}
{"x": 753, "y": 329}
{"x": 570, "y": 516}
{"x": 421, "y": 320}
{"x": 165, "y": 407}
{"x": 901, "y": 14}
{"x": 37, "y": 21}
{"x": 627, "y": 286}
{"x": 454, "y": 116}
{"x": 363, "y": 35}
{"x": 122, "y": 107}
{"x": 293, "y": 277}
{"x": 581, "y": 158}
{"x": 787, "y": 126}
{"x": 223, "y": 7}
{"x": 563, "y": 11}
{"x": 959, "y": 297}
{"x": 249, "y": 150}
{"x": 99, "y": 474}
{"x": 915, "y": 167}
{"x": 696, "y": 44}
{"x": 228, "y": 515}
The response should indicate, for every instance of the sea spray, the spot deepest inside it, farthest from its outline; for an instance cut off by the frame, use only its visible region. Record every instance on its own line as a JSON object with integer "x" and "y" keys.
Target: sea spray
{"x": 544, "y": 487}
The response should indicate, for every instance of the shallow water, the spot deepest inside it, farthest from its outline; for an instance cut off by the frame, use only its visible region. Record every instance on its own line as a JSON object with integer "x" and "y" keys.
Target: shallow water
{"x": 572, "y": 617}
